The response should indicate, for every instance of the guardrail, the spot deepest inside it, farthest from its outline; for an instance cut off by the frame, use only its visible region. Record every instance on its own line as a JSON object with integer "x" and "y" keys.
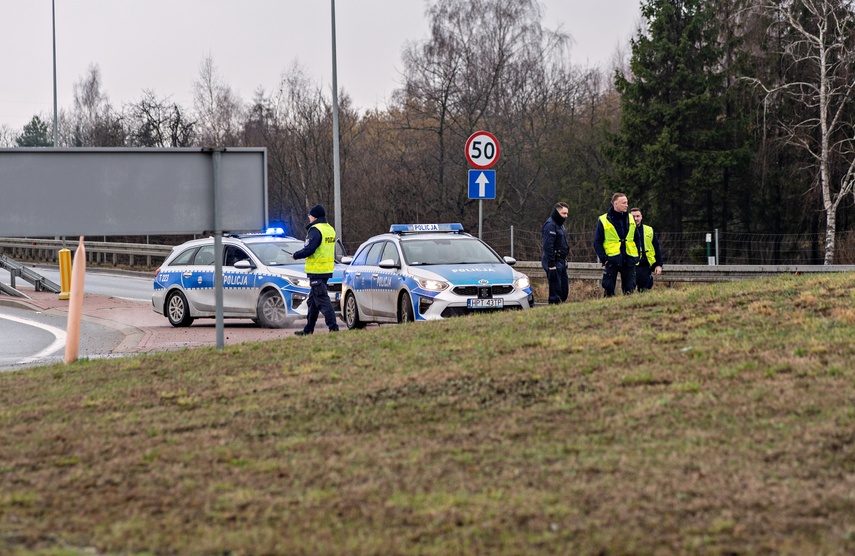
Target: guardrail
{"x": 96, "y": 251}
{"x": 689, "y": 273}
{"x": 47, "y": 249}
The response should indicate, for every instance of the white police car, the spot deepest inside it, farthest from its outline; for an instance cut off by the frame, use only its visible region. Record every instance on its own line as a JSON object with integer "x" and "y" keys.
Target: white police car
{"x": 427, "y": 272}
{"x": 261, "y": 280}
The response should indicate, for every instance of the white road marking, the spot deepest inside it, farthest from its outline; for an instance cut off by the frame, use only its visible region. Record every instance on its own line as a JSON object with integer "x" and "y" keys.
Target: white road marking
{"x": 58, "y": 343}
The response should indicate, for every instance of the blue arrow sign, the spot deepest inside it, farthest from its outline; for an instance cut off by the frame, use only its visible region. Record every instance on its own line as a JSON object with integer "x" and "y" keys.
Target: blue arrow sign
{"x": 482, "y": 184}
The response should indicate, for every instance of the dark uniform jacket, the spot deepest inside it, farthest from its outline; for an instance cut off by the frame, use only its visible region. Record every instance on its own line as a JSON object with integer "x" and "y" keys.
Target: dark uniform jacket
{"x": 555, "y": 246}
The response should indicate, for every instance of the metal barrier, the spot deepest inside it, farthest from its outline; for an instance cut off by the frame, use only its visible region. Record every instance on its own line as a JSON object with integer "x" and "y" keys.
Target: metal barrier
{"x": 47, "y": 249}
{"x": 96, "y": 251}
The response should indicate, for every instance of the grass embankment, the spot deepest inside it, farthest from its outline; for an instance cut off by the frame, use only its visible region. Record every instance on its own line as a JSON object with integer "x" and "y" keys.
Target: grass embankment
{"x": 713, "y": 419}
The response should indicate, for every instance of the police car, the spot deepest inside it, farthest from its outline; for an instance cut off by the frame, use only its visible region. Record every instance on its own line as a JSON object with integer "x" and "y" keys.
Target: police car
{"x": 422, "y": 272}
{"x": 261, "y": 280}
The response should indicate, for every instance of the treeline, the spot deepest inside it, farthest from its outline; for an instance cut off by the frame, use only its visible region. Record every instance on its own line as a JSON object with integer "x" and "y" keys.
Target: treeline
{"x": 734, "y": 115}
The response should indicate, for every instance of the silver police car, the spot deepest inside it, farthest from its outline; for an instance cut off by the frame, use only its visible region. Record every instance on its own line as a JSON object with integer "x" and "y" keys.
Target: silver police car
{"x": 261, "y": 280}
{"x": 422, "y": 272}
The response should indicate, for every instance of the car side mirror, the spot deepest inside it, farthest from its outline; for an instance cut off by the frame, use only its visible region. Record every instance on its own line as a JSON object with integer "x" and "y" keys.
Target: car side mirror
{"x": 388, "y": 263}
{"x": 244, "y": 265}
{"x": 510, "y": 261}
{"x": 346, "y": 260}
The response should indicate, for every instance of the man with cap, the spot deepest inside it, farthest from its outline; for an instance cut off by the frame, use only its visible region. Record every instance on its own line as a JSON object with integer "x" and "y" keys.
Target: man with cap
{"x": 319, "y": 253}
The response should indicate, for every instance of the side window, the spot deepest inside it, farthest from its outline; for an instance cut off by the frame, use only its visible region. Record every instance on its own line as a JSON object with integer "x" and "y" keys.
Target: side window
{"x": 184, "y": 258}
{"x": 359, "y": 259}
{"x": 234, "y": 254}
{"x": 204, "y": 256}
{"x": 390, "y": 252}
{"x": 374, "y": 254}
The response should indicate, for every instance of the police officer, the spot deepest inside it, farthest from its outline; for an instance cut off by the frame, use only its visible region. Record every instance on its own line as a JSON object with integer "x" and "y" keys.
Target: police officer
{"x": 319, "y": 253}
{"x": 616, "y": 243}
{"x": 649, "y": 257}
{"x": 555, "y": 250}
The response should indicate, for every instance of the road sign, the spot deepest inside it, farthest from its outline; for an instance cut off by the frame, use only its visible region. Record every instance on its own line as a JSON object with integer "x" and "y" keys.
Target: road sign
{"x": 482, "y": 184}
{"x": 482, "y": 150}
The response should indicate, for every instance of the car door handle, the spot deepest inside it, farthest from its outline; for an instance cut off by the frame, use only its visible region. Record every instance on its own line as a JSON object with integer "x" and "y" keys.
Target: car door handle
{"x": 358, "y": 274}
{"x": 375, "y": 275}
{"x": 188, "y": 274}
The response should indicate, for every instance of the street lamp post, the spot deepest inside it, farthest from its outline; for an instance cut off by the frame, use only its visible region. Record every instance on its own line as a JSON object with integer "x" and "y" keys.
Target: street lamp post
{"x": 53, "y": 22}
{"x": 336, "y": 163}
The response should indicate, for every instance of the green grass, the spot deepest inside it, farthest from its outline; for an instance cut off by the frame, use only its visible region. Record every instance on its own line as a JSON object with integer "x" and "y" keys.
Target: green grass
{"x": 705, "y": 420}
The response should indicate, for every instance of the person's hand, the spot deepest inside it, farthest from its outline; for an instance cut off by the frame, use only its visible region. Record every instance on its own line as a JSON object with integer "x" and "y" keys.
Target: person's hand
{"x": 658, "y": 270}
{"x": 552, "y": 268}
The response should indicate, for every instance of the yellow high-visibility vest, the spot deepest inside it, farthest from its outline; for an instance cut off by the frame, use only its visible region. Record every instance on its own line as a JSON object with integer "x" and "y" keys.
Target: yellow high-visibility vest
{"x": 612, "y": 241}
{"x": 322, "y": 260}
{"x": 648, "y": 244}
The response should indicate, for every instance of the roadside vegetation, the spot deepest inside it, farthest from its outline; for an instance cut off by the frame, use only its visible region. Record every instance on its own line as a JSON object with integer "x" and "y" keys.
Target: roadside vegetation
{"x": 713, "y": 419}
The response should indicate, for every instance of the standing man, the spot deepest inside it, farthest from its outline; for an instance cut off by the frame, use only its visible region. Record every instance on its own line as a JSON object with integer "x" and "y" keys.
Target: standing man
{"x": 649, "y": 256}
{"x": 319, "y": 253}
{"x": 616, "y": 244}
{"x": 555, "y": 250}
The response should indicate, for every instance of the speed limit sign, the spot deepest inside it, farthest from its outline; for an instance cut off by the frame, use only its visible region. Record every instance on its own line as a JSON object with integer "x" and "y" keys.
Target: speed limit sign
{"x": 482, "y": 150}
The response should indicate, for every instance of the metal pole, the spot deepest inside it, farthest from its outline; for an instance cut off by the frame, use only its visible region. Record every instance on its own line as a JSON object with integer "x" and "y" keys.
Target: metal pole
{"x": 480, "y": 216}
{"x": 716, "y": 247}
{"x": 512, "y": 241}
{"x": 336, "y": 165}
{"x": 53, "y": 21}
{"x": 218, "y": 251}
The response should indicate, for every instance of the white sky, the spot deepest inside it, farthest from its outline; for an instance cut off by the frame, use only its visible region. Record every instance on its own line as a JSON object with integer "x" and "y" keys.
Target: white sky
{"x": 159, "y": 45}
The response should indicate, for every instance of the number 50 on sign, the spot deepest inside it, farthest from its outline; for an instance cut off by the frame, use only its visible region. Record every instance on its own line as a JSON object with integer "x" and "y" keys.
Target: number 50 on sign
{"x": 482, "y": 150}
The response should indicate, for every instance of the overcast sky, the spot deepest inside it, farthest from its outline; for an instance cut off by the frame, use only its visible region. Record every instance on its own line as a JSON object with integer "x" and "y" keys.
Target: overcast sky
{"x": 159, "y": 45}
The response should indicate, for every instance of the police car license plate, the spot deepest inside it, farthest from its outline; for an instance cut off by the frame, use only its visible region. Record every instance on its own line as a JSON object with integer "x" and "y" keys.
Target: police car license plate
{"x": 493, "y": 303}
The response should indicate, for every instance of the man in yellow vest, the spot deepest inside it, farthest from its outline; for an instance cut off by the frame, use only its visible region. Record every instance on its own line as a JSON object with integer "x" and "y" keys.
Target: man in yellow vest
{"x": 319, "y": 253}
{"x": 616, "y": 242}
{"x": 649, "y": 256}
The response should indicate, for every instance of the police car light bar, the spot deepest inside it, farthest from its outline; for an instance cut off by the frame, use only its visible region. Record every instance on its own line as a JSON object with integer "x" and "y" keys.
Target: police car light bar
{"x": 416, "y": 228}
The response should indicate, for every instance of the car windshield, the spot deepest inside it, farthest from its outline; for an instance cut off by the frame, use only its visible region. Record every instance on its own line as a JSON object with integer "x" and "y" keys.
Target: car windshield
{"x": 275, "y": 252}
{"x": 447, "y": 251}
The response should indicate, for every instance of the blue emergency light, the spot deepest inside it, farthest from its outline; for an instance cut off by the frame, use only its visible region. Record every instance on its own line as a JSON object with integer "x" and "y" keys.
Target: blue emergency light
{"x": 416, "y": 228}
{"x": 275, "y": 231}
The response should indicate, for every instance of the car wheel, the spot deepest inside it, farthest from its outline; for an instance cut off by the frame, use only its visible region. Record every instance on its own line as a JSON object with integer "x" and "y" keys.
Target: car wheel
{"x": 351, "y": 312}
{"x": 177, "y": 310}
{"x": 271, "y": 310}
{"x": 405, "y": 309}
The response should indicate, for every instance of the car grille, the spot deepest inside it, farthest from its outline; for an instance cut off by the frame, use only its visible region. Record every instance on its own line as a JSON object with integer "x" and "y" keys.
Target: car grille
{"x": 334, "y": 287}
{"x": 470, "y": 291}
{"x": 449, "y": 312}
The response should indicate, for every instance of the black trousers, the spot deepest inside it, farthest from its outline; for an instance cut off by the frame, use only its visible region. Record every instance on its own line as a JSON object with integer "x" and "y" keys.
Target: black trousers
{"x": 559, "y": 284}
{"x": 643, "y": 277}
{"x": 627, "y": 278}
{"x": 319, "y": 302}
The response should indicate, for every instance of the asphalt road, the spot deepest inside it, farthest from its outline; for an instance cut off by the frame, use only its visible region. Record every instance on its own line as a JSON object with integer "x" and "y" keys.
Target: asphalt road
{"x": 118, "y": 320}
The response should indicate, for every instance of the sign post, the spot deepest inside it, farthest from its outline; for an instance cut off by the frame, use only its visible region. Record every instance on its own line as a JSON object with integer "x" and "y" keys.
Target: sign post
{"x": 482, "y": 152}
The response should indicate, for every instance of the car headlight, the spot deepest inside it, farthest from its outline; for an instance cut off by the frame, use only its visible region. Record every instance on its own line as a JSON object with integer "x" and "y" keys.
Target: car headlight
{"x": 431, "y": 285}
{"x": 299, "y": 282}
{"x": 521, "y": 283}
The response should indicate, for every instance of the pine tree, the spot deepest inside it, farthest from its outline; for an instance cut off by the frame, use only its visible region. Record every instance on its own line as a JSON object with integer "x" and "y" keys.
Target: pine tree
{"x": 35, "y": 134}
{"x": 674, "y": 148}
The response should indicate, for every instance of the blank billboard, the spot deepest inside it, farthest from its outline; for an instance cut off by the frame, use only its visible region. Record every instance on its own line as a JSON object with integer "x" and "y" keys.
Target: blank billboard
{"x": 122, "y": 191}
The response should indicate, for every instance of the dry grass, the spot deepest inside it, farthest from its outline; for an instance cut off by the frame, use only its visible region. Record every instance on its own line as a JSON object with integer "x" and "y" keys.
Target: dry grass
{"x": 706, "y": 420}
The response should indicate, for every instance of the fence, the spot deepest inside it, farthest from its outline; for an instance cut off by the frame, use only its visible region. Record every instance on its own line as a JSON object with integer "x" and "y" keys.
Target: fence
{"x": 524, "y": 245}
{"x": 691, "y": 248}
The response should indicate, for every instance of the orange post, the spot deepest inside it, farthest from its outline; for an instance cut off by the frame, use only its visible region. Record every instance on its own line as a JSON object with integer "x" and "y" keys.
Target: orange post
{"x": 64, "y": 274}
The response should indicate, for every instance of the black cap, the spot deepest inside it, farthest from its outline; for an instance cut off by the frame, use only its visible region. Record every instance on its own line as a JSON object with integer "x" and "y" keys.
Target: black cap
{"x": 318, "y": 211}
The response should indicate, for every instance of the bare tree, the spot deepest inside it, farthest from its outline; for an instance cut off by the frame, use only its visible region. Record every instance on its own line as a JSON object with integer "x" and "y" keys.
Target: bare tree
{"x": 819, "y": 47}
{"x": 154, "y": 122}
{"x": 7, "y": 136}
{"x": 219, "y": 110}
{"x": 94, "y": 122}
